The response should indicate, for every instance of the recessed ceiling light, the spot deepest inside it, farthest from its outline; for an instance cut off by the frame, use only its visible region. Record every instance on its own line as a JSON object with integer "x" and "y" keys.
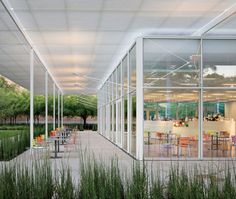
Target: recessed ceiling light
{"x": 165, "y": 91}
{"x": 218, "y": 94}
{"x": 230, "y": 84}
{"x": 156, "y": 78}
{"x": 188, "y": 84}
{"x": 230, "y": 91}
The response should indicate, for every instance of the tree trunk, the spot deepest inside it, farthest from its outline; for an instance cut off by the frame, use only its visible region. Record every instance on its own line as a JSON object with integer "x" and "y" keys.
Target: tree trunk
{"x": 85, "y": 119}
{"x": 15, "y": 119}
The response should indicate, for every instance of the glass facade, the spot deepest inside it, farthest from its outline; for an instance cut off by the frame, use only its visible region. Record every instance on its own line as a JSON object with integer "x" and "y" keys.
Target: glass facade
{"x": 188, "y": 104}
{"x": 120, "y": 106}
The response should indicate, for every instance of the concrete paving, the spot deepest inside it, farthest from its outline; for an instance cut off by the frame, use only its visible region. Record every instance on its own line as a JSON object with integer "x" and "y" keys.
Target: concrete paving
{"x": 91, "y": 145}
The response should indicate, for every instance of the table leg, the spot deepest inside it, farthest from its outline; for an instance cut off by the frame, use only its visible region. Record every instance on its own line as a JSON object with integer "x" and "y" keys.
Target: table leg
{"x": 58, "y": 145}
{"x": 55, "y": 152}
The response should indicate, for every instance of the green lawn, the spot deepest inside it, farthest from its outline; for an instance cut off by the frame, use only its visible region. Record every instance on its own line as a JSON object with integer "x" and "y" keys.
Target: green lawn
{"x": 9, "y": 133}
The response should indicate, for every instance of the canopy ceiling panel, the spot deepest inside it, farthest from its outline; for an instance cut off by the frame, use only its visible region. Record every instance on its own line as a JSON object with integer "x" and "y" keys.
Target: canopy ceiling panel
{"x": 14, "y": 51}
{"x": 90, "y": 37}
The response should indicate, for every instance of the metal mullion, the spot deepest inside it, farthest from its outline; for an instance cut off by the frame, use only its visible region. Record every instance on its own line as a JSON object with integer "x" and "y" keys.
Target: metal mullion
{"x": 129, "y": 106}
{"x": 139, "y": 99}
{"x": 58, "y": 108}
{"x": 122, "y": 105}
{"x": 200, "y": 121}
{"x": 31, "y": 97}
{"x": 54, "y": 106}
{"x": 46, "y": 104}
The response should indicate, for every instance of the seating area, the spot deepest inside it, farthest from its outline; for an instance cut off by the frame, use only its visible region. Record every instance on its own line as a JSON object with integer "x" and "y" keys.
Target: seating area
{"x": 215, "y": 144}
{"x": 65, "y": 137}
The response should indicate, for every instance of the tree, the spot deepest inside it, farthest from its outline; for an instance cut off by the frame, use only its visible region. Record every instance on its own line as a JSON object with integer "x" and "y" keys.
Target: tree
{"x": 80, "y": 105}
{"x": 87, "y": 107}
{"x": 15, "y": 102}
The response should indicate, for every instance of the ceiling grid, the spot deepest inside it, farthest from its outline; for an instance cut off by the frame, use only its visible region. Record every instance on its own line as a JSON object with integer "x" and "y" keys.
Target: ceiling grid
{"x": 90, "y": 37}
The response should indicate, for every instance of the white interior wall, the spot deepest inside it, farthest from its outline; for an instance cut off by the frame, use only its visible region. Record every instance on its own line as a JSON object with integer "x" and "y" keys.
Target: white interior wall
{"x": 230, "y": 112}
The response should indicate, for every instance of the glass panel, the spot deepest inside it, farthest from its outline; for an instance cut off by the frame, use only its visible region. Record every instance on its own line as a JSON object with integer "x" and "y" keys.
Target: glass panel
{"x": 118, "y": 130}
{"x": 107, "y": 120}
{"x": 125, "y": 74}
{"x": 104, "y": 120}
{"x": 133, "y": 123}
{"x": 132, "y": 60}
{"x": 110, "y": 87}
{"x": 114, "y": 113}
{"x": 114, "y": 85}
{"x": 171, "y": 62}
{"x": 219, "y": 63}
{"x": 119, "y": 81}
{"x": 111, "y": 123}
{"x": 125, "y": 137}
{"x": 171, "y": 123}
{"x": 219, "y": 122}
{"x": 226, "y": 28}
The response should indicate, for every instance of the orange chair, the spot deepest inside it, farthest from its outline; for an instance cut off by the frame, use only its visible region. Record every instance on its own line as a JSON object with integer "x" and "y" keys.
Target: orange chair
{"x": 184, "y": 142}
{"x": 53, "y": 133}
{"x": 206, "y": 137}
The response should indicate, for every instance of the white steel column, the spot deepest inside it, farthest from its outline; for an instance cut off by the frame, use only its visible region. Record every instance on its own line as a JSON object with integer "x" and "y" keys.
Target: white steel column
{"x": 200, "y": 113}
{"x": 98, "y": 111}
{"x": 31, "y": 97}
{"x": 58, "y": 108}
{"x": 139, "y": 98}
{"x": 117, "y": 119}
{"x": 122, "y": 106}
{"x": 129, "y": 112}
{"x": 62, "y": 103}
{"x": 112, "y": 107}
{"x": 54, "y": 106}
{"x": 46, "y": 104}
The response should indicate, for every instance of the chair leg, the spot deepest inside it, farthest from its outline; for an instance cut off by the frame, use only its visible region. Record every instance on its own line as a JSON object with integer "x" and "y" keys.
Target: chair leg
{"x": 230, "y": 150}
{"x": 234, "y": 150}
{"x": 180, "y": 151}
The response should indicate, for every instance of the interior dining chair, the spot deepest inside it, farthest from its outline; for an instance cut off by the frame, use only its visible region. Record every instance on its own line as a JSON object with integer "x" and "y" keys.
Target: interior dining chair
{"x": 233, "y": 144}
{"x": 159, "y": 137}
{"x": 184, "y": 142}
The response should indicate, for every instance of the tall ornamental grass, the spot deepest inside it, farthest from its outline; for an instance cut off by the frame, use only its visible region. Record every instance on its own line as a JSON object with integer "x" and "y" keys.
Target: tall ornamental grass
{"x": 104, "y": 180}
{"x": 11, "y": 147}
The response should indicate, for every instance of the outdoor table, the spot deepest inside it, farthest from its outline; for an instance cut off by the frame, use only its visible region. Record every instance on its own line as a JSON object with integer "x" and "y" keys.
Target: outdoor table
{"x": 64, "y": 135}
{"x": 56, "y": 147}
{"x": 170, "y": 139}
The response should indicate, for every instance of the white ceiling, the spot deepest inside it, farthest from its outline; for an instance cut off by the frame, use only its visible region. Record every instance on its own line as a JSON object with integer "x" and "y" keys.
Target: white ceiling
{"x": 90, "y": 36}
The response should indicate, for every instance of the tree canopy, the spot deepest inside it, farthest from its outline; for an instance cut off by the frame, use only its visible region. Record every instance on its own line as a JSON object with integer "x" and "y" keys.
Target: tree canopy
{"x": 15, "y": 102}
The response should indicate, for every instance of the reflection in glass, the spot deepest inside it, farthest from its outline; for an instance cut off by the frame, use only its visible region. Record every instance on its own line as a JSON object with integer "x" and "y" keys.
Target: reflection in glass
{"x": 125, "y": 74}
{"x": 171, "y": 62}
{"x": 133, "y": 125}
{"x": 125, "y": 133}
{"x": 119, "y": 83}
{"x": 219, "y": 63}
{"x": 132, "y": 60}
